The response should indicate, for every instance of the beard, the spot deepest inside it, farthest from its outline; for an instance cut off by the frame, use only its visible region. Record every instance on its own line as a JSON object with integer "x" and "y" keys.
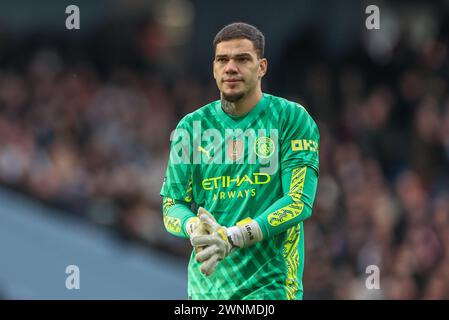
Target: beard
{"x": 234, "y": 97}
{"x": 228, "y": 101}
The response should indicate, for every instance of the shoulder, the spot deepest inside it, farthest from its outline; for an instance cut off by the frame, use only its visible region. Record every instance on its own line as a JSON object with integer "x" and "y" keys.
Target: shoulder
{"x": 197, "y": 115}
{"x": 290, "y": 111}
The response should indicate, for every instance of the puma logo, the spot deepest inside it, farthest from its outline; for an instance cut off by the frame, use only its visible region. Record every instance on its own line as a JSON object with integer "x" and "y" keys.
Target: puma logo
{"x": 206, "y": 152}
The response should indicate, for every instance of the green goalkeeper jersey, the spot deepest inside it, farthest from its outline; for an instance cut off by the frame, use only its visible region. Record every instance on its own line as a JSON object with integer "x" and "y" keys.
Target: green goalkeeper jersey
{"x": 263, "y": 166}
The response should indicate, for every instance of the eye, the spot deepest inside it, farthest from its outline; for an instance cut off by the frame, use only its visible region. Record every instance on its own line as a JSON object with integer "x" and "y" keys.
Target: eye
{"x": 243, "y": 59}
{"x": 221, "y": 60}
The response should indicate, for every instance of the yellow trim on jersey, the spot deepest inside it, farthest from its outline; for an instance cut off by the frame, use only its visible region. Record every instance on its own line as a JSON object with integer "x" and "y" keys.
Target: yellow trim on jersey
{"x": 167, "y": 204}
{"x": 295, "y": 209}
{"x": 291, "y": 257}
{"x": 188, "y": 197}
{"x": 297, "y": 183}
{"x": 293, "y": 234}
{"x": 172, "y": 224}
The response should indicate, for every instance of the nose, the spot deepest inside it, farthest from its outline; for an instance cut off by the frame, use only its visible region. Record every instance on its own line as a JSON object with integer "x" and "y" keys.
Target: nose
{"x": 231, "y": 67}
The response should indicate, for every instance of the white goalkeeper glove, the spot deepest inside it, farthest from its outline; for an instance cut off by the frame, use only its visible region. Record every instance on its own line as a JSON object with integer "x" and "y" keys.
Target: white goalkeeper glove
{"x": 220, "y": 240}
{"x": 192, "y": 225}
{"x": 195, "y": 228}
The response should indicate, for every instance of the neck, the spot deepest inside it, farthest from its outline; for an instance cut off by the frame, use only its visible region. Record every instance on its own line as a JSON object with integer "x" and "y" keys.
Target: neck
{"x": 243, "y": 106}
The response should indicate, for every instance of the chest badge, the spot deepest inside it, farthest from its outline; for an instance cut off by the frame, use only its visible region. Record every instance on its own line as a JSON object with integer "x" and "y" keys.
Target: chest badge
{"x": 264, "y": 147}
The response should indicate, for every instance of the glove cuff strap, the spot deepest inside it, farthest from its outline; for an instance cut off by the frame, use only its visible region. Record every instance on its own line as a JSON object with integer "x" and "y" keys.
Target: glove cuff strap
{"x": 246, "y": 233}
{"x": 191, "y": 224}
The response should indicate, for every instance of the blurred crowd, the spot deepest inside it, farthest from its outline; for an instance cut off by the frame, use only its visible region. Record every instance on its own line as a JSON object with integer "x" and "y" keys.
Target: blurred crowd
{"x": 96, "y": 146}
{"x": 383, "y": 194}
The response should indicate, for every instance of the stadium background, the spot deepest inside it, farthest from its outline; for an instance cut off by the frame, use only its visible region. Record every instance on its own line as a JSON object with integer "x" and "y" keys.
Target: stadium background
{"x": 85, "y": 119}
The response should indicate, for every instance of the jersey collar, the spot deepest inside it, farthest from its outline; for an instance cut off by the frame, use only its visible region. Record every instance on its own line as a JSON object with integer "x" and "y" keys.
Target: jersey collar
{"x": 243, "y": 121}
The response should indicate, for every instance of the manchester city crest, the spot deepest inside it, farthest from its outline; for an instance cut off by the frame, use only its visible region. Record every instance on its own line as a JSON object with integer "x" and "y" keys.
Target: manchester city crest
{"x": 264, "y": 147}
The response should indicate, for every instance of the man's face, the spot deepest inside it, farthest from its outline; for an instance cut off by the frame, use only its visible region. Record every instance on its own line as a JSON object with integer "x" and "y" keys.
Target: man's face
{"x": 237, "y": 68}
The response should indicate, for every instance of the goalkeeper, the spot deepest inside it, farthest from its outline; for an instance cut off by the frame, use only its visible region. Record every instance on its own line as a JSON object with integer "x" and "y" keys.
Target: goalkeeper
{"x": 243, "y": 218}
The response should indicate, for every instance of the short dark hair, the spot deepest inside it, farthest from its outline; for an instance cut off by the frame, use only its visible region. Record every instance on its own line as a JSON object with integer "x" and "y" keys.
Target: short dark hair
{"x": 241, "y": 30}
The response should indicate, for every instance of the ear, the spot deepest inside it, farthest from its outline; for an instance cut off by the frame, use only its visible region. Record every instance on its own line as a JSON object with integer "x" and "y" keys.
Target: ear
{"x": 263, "y": 65}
